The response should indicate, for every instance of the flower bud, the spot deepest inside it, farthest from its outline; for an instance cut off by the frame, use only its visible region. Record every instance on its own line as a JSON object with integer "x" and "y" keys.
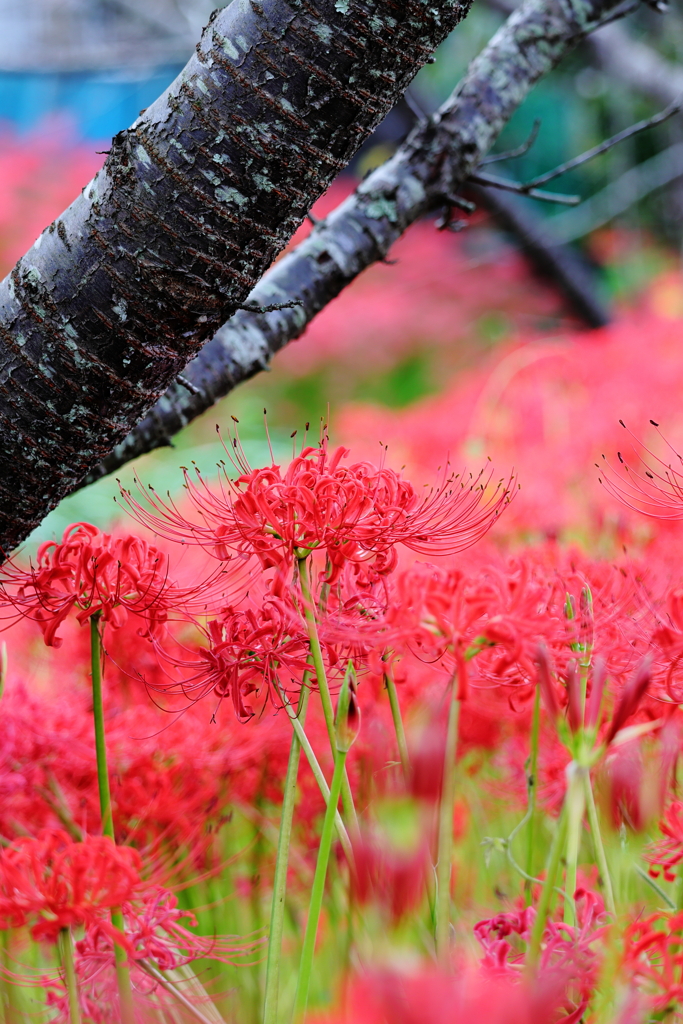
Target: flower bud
{"x": 347, "y": 720}
{"x": 633, "y": 693}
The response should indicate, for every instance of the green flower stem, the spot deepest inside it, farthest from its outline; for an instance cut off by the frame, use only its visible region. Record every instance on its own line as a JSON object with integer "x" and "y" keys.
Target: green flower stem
{"x": 532, "y": 788}
{"x": 323, "y": 686}
{"x": 398, "y": 724}
{"x": 445, "y": 842}
{"x": 318, "y": 890}
{"x": 671, "y": 904}
{"x": 575, "y": 809}
{"x": 277, "y": 914}
{"x": 314, "y": 764}
{"x": 122, "y": 970}
{"x": 598, "y": 845}
{"x": 547, "y": 891}
{"x": 66, "y": 956}
{"x": 11, "y": 1001}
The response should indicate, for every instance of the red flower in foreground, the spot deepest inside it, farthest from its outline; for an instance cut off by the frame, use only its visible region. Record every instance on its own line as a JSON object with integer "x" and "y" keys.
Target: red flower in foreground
{"x": 353, "y": 513}
{"x": 91, "y": 572}
{"x": 430, "y": 995}
{"x": 52, "y": 882}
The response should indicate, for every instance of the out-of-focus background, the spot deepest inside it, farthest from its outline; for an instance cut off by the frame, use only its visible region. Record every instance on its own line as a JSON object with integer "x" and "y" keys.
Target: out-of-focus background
{"x": 461, "y": 349}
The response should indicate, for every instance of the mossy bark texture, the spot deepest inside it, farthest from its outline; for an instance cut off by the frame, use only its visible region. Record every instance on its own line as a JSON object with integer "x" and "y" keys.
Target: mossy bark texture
{"x": 193, "y": 204}
{"x": 428, "y": 168}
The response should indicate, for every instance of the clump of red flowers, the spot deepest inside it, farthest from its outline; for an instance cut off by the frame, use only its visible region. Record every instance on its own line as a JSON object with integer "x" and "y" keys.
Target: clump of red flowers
{"x": 53, "y": 882}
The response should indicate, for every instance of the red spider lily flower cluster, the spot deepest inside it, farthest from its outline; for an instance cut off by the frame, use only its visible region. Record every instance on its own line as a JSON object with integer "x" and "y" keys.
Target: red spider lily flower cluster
{"x": 154, "y": 938}
{"x": 653, "y": 959}
{"x": 249, "y": 649}
{"x": 352, "y": 514}
{"x": 52, "y": 882}
{"x": 569, "y": 952}
{"x": 92, "y": 573}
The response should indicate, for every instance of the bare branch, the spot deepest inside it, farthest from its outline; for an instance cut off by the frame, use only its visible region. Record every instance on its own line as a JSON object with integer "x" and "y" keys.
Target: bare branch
{"x": 513, "y": 154}
{"x": 603, "y": 147}
{"x": 524, "y": 189}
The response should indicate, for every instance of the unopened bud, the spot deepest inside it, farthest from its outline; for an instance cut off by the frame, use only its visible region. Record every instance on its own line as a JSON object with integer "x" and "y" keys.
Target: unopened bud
{"x": 573, "y": 697}
{"x": 347, "y": 720}
{"x": 586, "y": 623}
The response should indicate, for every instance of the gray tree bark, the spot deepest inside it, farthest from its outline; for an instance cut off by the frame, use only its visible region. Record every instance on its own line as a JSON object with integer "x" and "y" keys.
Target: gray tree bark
{"x": 194, "y": 202}
{"x": 431, "y": 166}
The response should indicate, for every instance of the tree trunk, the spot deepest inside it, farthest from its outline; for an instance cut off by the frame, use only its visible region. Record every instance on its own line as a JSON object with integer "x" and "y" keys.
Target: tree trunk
{"x": 194, "y": 202}
{"x": 431, "y": 165}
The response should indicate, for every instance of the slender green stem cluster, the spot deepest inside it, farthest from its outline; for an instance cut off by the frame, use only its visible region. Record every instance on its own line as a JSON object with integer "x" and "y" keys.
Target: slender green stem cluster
{"x": 346, "y": 730}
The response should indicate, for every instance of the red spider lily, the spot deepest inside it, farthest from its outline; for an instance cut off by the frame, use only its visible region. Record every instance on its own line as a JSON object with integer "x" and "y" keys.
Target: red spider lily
{"x": 249, "y": 649}
{"x": 653, "y": 959}
{"x": 353, "y": 514}
{"x": 156, "y": 940}
{"x": 92, "y": 573}
{"x": 655, "y": 491}
{"x": 570, "y": 953}
{"x": 666, "y": 854}
{"x": 52, "y": 882}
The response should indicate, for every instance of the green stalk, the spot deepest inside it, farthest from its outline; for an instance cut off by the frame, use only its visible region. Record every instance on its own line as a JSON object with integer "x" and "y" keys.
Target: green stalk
{"x": 445, "y": 842}
{"x": 277, "y": 914}
{"x": 532, "y": 787}
{"x": 575, "y": 809}
{"x": 318, "y": 775}
{"x": 12, "y": 1008}
{"x": 323, "y": 686}
{"x": 547, "y": 891}
{"x": 598, "y": 845}
{"x": 122, "y": 970}
{"x": 66, "y": 956}
{"x": 317, "y": 892}
{"x": 398, "y": 724}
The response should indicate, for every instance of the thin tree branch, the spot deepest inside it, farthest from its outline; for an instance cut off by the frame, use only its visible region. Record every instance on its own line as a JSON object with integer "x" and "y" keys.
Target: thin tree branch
{"x": 603, "y": 147}
{"x": 428, "y": 168}
{"x": 616, "y": 198}
{"x": 489, "y": 181}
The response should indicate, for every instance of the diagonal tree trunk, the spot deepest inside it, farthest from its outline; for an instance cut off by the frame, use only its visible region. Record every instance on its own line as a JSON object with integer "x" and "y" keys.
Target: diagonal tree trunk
{"x": 430, "y": 166}
{"x": 194, "y": 202}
